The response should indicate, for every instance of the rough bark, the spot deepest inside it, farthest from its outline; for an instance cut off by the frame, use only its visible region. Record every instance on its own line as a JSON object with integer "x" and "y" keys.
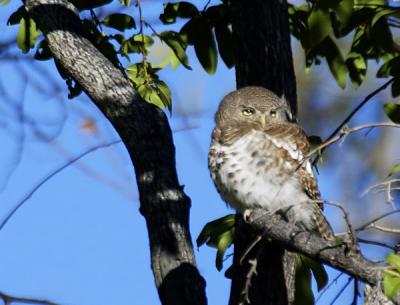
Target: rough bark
{"x": 147, "y": 136}
{"x": 339, "y": 256}
{"x": 264, "y": 58}
{"x": 262, "y": 47}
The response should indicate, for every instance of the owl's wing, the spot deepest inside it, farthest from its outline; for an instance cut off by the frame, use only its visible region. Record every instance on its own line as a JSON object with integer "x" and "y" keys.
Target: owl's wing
{"x": 294, "y": 146}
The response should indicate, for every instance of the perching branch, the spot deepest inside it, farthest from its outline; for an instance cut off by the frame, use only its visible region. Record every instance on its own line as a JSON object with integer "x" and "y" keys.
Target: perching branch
{"x": 339, "y": 256}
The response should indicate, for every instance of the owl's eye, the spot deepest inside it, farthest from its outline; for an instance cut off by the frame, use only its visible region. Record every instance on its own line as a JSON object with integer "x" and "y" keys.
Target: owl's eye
{"x": 273, "y": 113}
{"x": 248, "y": 111}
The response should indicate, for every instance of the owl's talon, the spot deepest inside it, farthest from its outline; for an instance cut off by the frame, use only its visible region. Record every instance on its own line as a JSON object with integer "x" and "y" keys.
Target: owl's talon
{"x": 246, "y": 215}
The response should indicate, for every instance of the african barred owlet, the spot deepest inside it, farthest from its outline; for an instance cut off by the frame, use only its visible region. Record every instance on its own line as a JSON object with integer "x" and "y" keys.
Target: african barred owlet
{"x": 256, "y": 159}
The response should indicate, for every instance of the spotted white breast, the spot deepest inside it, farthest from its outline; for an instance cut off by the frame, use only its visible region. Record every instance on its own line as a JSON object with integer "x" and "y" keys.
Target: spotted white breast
{"x": 251, "y": 173}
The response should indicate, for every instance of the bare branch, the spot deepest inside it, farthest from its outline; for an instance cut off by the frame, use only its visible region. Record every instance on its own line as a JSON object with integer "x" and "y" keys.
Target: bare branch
{"x": 8, "y": 299}
{"x": 371, "y": 222}
{"x": 355, "y": 110}
{"x": 340, "y": 292}
{"x": 376, "y": 243}
{"x": 347, "y": 131}
{"x": 308, "y": 243}
{"x": 51, "y": 175}
{"x": 384, "y": 229}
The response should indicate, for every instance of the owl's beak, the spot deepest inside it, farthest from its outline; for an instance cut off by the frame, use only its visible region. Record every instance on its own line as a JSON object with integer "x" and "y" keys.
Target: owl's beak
{"x": 262, "y": 120}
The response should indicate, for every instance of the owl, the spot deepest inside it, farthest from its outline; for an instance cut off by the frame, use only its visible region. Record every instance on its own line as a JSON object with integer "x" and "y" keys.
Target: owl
{"x": 256, "y": 159}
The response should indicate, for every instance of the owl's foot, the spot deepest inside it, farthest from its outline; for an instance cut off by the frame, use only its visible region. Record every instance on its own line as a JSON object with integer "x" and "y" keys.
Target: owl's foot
{"x": 246, "y": 215}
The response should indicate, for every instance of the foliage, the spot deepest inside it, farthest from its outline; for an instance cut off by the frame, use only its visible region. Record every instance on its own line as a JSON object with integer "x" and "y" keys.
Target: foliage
{"x": 346, "y": 33}
{"x": 391, "y": 276}
{"x": 304, "y": 268}
{"x": 218, "y": 234}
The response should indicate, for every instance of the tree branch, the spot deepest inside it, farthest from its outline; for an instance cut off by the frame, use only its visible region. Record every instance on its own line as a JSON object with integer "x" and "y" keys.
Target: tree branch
{"x": 8, "y": 299}
{"x": 293, "y": 238}
{"x": 340, "y": 256}
{"x": 355, "y": 110}
{"x": 145, "y": 132}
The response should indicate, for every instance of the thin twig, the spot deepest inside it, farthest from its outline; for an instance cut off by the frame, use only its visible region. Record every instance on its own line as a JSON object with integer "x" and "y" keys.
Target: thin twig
{"x": 51, "y": 175}
{"x": 350, "y": 230}
{"x": 345, "y": 132}
{"x": 376, "y": 243}
{"x": 326, "y": 288}
{"x": 8, "y": 299}
{"x": 252, "y": 272}
{"x": 142, "y": 47}
{"x": 384, "y": 229}
{"x": 356, "y": 293}
{"x": 341, "y": 291}
{"x": 355, "y": 110}
{"x": 366, "y": 225}
{"x": 387, "y": 186}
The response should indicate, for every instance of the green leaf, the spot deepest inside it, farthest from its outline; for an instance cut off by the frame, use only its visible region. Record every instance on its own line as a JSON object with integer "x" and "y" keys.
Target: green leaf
{"x": 393, "y": 260}
{"x": 224, "y": 242}
{"x": 381, "y": 36}
{"x": 204, "y": 45}
{"x": 384, "y": 13}
{"x": 150, "y": 95}
{"x": 136, "y": 74}
{"x": 125, "y": 2}
{"x": 319, "y": 26}
{"x": 391, "y": 67}
{"x": 344, "y": 10}
{"x": 394, "y": 170}
{"x": 392, "y": 110}
{"x": 215, "y": 227}
{"x": 336, "y": 63}
{"x": 318, "y": 270}
{"x": 357, "y": 66}
{"x": 391, "y": 284}
{"x": 180, "y": 9}
{"x": 27, "y": 34}
{"x": 164, "y": 93}
{"x": 174, "y": 41}
{"x": 223, "y": 33}
{"x": 120, "y": 22}
{"x": 16, "y": 17}
{"x": 146, "y": 40}
{"x": 303, "y": 291}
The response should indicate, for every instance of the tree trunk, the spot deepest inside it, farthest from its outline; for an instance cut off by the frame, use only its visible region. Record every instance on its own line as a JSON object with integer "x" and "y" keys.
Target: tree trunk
{"x": 147, "y": 136}
{"x": 263, "y": 58}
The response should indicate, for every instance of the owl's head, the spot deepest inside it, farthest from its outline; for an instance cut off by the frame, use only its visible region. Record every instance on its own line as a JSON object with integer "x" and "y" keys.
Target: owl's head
{"x": 253, "y": 106}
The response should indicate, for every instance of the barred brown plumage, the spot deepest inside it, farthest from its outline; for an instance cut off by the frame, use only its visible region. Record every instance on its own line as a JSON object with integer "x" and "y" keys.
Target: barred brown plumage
{"x": 256, "y": 159}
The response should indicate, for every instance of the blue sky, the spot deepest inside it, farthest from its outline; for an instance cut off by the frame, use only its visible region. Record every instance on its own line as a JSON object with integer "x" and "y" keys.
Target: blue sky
{"x": 80, "y": 238}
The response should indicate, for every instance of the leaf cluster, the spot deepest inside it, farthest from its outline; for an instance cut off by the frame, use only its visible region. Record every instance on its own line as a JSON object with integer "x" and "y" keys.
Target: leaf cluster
{"x": 326, "y": 27}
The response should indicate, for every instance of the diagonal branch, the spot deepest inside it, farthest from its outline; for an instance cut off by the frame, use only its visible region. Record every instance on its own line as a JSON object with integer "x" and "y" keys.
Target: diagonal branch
{"x": 9, "y": 299}
{"x": 145, "y": 132}
{"x": 338, "y": 256}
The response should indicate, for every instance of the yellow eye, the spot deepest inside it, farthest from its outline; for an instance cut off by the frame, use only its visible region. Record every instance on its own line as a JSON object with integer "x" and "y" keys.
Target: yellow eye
{"x": 273, "y": 113}
{"x": 248, "y": 112}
